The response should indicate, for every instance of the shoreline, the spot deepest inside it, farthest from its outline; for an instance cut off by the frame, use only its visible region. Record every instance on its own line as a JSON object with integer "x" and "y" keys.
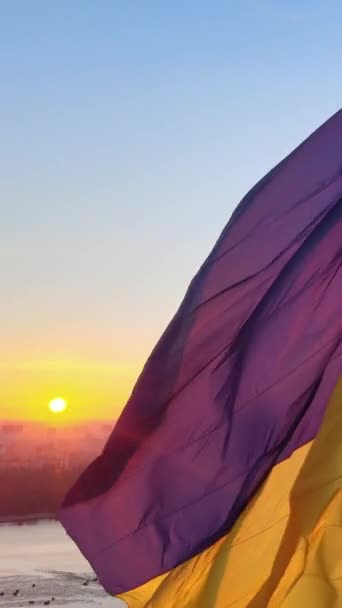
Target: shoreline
{"x": 17, "y": 520}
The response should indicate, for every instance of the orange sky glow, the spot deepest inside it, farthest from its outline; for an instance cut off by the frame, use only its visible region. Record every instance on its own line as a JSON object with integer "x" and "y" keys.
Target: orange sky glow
{"x": 93, "y": 390}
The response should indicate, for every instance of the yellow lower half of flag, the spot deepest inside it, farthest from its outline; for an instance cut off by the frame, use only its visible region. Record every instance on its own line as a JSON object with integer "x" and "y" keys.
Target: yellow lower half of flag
{"x": 285, "y": 550}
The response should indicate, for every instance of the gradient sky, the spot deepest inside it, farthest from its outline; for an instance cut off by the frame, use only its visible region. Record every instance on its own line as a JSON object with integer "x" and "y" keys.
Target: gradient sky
{"x": 129, "y": 132}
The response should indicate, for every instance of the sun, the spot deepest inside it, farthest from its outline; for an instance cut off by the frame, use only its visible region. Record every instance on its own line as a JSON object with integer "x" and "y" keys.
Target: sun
{"x": 57, "y": 405}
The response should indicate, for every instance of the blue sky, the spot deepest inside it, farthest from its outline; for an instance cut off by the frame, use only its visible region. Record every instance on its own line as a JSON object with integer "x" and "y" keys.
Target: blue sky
{"x": 130, "y": 131}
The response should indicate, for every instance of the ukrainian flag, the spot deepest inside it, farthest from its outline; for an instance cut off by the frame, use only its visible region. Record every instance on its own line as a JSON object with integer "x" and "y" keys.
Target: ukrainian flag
{"x": 220, "y": 485}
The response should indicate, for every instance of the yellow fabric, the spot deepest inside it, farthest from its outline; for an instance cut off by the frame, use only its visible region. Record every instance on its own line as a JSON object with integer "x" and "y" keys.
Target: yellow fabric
{"x": 286, "y": 548}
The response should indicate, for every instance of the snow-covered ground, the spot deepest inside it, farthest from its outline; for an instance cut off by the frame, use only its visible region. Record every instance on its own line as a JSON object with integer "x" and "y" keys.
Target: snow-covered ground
{"x": 40, "y": 565}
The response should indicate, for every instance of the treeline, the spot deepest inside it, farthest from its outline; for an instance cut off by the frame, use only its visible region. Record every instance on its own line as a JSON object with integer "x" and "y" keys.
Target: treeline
{"x": 27, "y": 491}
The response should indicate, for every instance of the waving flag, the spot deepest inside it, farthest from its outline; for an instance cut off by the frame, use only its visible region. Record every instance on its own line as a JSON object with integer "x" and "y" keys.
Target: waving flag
{"x": 221, "y": 482}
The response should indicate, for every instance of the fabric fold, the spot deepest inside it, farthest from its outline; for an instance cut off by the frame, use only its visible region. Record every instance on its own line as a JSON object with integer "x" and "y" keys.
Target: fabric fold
{"x": 236, "y": 388}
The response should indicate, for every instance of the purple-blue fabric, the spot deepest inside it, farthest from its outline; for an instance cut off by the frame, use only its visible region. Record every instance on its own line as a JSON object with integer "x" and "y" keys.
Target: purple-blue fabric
{"x": 239, "y": 380}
